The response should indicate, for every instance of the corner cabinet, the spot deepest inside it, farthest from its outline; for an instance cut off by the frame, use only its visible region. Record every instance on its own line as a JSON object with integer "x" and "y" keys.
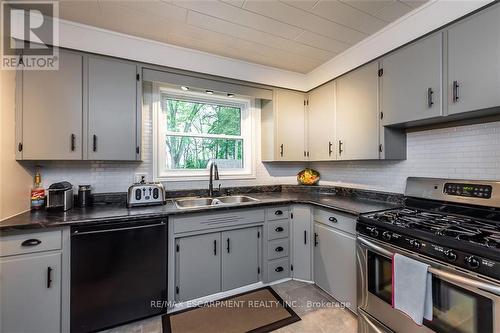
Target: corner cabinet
{"x": 473, "y": 80}
{"x": 357, "y": 116}
{"x": 321, "y": 123}
{"x": 88, "y": 109}
{"x": 283, "y": 125}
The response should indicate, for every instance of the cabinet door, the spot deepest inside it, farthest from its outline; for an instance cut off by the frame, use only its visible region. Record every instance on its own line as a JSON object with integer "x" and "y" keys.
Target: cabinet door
{"x": 30, "y": 297}
{"x": 335, "y": 264}
{"x": 321, "y": 123}
{"x": 301, "y": 242}
{"x": 474, "y": 62}
{"x": 198, "y": 266}
{"x": 290, "y": 119}
{"x": 51, "y": 105}
{"x": 112, "y": 101}
{"x": 357, "y": 119}
{"x": 240, "y": 257}
{"x": 411, "y": 82}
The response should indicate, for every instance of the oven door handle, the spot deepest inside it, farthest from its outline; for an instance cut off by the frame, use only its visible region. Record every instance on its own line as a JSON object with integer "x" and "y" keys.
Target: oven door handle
{"x": 489, "y": 287}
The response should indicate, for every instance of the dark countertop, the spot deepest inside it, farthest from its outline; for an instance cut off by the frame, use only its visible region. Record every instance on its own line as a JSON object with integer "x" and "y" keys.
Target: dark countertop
{"x": 100, "y": 213}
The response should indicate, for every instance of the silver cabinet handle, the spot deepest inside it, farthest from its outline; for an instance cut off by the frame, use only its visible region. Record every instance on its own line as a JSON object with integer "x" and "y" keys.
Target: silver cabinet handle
{"x": 330, "y": 150}
{"x": 281, "y": 150}
{"x": 492, "y": 288}
{"x": 340, "y": 147}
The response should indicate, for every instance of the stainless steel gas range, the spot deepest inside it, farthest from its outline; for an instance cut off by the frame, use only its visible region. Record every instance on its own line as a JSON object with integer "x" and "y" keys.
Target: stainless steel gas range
{"x": 452, "y": 225}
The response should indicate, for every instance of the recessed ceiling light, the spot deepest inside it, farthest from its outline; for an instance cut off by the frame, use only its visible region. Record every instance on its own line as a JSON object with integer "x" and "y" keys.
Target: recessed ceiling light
{"x": 184, "y": 88}
{"x": 230, "y": 95}
{"x": 210, "y": 92}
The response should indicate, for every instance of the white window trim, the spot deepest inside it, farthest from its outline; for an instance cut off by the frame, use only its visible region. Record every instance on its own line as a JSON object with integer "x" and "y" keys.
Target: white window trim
{"x": 247, "y": 128}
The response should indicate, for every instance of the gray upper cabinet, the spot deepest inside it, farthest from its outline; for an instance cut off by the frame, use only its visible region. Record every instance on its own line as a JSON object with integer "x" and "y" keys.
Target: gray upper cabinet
{"x": 198, "y": 266}
{"x": 30, "y": 297}
{"x": 112, "y": 110}
{"x": 411, "y": 82}
{"x": 473, "y": 81}
{"x": 321, "y": 123}
{"x": 240, "y": 257}
{"x": 357, "y": 116}
{"x": 49, "y": 111}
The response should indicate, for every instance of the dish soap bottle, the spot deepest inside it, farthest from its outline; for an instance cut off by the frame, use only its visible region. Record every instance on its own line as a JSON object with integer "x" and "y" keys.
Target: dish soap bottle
{"x": 38, "y": 192}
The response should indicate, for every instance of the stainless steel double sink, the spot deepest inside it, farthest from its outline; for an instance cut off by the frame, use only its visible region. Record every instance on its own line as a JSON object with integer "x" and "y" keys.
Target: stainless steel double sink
{"x": 210, "y": 202}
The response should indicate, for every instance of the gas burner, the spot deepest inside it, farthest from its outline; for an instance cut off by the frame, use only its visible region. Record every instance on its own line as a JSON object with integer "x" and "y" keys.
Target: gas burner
{"x": 484, "y": 233}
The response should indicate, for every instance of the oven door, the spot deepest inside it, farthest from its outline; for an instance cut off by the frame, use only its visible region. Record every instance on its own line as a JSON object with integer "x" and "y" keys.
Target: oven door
{"x": 462, "y": 303}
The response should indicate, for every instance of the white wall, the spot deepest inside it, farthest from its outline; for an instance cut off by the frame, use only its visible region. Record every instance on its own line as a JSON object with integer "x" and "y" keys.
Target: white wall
{"x": 466, "y": 152}
{"x": 118, "y": 176}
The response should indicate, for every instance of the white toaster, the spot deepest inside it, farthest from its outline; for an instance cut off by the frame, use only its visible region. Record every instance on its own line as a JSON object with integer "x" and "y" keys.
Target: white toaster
{"x": 143, "y": 194}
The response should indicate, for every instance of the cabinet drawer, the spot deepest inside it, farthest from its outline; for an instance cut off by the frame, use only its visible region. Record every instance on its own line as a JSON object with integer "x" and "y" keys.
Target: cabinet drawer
{"x": 30, "y": 242}
{"x": 278, "y": 213}
{"x": 336, "y": 220}
{"x": 278, "y": 269}
{"x": 277, "y": 249}
{"x": 210, "y": 220}
{"x": 278, "y": 229}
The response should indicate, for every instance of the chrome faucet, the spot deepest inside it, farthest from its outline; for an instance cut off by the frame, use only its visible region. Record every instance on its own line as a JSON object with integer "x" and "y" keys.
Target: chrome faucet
{"x": 214, "y": 175}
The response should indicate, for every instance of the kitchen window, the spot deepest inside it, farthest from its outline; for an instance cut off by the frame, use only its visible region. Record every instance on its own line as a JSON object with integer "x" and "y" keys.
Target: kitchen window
{"x": 193, "y": 129}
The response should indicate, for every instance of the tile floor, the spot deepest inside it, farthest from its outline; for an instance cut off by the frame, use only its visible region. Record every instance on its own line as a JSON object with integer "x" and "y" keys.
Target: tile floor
{"x": 320, "y": 313}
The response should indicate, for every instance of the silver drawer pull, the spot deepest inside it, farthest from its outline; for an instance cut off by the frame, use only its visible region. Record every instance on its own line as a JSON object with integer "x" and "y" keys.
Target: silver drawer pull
{"x": 279, "y": 229}
{"x": 332, "y": 219}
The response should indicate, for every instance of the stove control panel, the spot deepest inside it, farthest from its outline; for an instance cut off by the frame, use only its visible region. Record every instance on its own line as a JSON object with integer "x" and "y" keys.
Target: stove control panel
{"x": 468, "y": 190}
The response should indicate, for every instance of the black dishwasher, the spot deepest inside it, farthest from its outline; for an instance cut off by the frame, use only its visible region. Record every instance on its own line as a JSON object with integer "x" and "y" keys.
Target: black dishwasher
{"x": 117, "y": 271}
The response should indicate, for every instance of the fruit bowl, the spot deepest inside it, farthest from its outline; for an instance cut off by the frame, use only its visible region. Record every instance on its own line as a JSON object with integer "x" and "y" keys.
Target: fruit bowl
{"x": 308, "y": 177}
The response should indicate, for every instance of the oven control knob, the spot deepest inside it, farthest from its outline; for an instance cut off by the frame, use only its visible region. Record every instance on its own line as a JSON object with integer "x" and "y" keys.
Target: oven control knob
{"x": 387, "y": 235}
{"x": 373, "y": 231}
{"x": 472, "y": 261}
{"x": 416, "y": 244}
{"x": 450, "y": 255}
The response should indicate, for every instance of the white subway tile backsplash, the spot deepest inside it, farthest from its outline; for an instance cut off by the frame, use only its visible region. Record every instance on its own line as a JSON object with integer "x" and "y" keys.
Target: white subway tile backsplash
{"x": 467, "y": 152}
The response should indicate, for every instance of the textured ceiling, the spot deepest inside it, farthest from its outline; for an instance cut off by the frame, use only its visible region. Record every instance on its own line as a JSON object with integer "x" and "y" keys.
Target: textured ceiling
{"x": 288, "y": 34}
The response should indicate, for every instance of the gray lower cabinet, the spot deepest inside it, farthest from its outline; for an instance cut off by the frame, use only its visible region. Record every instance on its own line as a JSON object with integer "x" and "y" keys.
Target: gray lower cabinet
{"x": 30, "y": 297}
{"x": 411, "y": 82}
{"x": 112, "y": 110}
{"x": 335, "y": 263}
{"x": 301, "y": 243}
{"x": 474, "y": 62}
{"x": 214, "y": 262}
{"x": 49, "y": 111}
{"x": 198, "y": 266}
{"x": 240, "y": 258}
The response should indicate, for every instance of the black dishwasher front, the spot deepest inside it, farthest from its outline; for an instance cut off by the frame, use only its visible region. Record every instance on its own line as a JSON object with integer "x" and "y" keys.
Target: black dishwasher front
{"x": 117, "y": 271}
